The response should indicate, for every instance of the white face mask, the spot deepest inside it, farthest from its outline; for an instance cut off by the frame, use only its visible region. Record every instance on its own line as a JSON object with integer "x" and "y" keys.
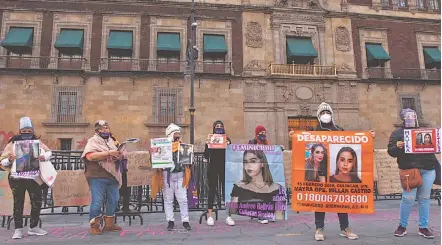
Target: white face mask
{"x": 326, "y": 118}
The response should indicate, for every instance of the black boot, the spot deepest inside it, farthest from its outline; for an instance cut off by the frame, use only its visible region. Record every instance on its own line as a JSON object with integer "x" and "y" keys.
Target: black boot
{"x": 186, "y": 225}
{"x": 170, "y": 225}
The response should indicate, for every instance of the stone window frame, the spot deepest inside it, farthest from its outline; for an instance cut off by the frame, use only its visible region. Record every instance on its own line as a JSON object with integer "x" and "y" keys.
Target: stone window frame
{"x": 370, "y": 35}
{"x": 226, "y": 32}
{"x": 80, "y": 97}
{"x": 295, "y": 30}
{"x": 37, "y": 24}
{"x": 179, "y": 110}
{"x": 418, "y": 105}
{"x": 155, "y": 29}
{"x": 87, "y": 38}
{"x": 136, "y": 32}
{"x": 426, "y": 40}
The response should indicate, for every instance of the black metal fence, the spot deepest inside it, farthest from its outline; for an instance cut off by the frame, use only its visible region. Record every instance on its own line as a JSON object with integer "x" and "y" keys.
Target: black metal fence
{"x": 136, "y": 201}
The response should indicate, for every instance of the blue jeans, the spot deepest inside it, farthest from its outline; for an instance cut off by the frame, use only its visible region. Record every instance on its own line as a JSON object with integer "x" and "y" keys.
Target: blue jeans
{"x": 423, "y": 198}
{"x": 99, "y": 188}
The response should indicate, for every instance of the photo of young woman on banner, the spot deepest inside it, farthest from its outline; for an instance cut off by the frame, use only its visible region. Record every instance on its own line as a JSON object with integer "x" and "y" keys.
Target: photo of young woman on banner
{"x": 255, "y": 183}
{"x": 332, "y": 172}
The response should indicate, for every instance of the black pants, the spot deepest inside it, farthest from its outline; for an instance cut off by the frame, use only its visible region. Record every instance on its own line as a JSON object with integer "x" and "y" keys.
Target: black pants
{"x": 320, "y": 217}
{"x": 216, "y": 177}
{"x": 19, "y": 188}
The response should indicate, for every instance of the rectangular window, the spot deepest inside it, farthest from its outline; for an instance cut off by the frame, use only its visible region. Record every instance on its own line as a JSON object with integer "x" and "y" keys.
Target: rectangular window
{"x": 385, "y": 3}
{"x": 412, "y": 102}
{"x": 402, "y": 3}
{"x": 65, "y": 144}
{"x": 167, "y": 105}
{"x": 67, "y": 104}
{"x": 420, "y": 4}
{"x": 433, "y": 4}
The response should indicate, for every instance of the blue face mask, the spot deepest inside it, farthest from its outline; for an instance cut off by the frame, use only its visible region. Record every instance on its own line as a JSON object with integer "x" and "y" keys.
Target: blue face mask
{"x": 219, "y": 131}
{"x": 262, "y": 137}
{"x": 104, "y": 135}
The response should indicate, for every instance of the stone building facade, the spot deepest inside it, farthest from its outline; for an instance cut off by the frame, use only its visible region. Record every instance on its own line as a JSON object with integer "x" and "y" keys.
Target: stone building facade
{"x": 260, "y": 76}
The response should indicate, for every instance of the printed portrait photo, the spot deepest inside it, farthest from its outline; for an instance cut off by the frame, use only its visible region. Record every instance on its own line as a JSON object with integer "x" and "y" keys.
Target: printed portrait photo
{"x": 345, "y": 163}
{"x": 316, "y": 162}
{"x": 255, "y": 179}
{"x": 27, "y": 153}
{"x": 185, "y": 154}
{"x": 424, "y": 139}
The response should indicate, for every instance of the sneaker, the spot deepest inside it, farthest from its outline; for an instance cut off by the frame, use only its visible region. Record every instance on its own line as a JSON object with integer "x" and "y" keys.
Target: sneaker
{"x": 230, "y": 221}
{"x": 426, "y": 233}
{"x": 186, "y": 226}
{"x": 18, "y": 234}
{"x": 210, "y": 221}
{"x": 400, "y": 231}
{"x": 349, "y": 234}
{"x": 36, "y": 231}
{"x": 319, "y": 235}
{"x": 263, "y": 221}
{"x": 170, "y": 225}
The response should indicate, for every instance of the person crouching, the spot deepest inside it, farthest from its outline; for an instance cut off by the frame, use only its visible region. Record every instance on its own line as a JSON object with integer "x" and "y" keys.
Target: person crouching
{"x": 174, "y": 182}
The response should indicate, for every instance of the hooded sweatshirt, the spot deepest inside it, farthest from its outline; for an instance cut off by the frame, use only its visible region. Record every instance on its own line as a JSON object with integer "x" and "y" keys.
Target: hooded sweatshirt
{"x": 216, "y": 157}
{"x": 331, "y": 126}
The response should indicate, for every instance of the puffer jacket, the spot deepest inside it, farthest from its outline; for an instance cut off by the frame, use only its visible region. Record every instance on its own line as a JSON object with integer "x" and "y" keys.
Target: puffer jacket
{"x": 408, "y": 161}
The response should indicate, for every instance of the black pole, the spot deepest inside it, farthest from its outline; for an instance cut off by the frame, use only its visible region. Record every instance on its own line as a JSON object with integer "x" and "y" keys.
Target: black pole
{"x": 192, "y": 73}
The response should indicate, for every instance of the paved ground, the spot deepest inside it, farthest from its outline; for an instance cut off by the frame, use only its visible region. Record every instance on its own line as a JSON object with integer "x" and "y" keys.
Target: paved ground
{"x": 298, "y": 229}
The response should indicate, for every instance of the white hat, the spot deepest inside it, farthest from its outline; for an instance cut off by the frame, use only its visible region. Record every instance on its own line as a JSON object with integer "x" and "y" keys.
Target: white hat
{"x": 171, "y": 129}
{"x": 324, "y": 107}
{"x": 25, "y": 122}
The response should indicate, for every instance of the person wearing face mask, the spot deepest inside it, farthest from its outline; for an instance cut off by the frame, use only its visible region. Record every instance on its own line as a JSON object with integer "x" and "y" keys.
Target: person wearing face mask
{"x": 20, "y": 186}
{"x": 216, "y": 171}
{"x": 174, "y": 182}
{"x": 327, "y": 123}
{"x": 260, "y": 139}
{"x": 426, "y": 163}
{"x": 103, "y": 173}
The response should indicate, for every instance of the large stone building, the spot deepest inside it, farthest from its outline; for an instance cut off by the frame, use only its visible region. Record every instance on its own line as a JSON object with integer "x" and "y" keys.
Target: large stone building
{"x": 67, "y": 64}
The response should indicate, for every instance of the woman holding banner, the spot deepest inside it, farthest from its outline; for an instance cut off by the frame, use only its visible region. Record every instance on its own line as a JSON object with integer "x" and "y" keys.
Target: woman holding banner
{"x": 19, "y": 186}
{"x": 216, "y": 171}
{"x": 327, "y": 123}
{"x": 425, "y": 163}
{"x": 104, "y": 175}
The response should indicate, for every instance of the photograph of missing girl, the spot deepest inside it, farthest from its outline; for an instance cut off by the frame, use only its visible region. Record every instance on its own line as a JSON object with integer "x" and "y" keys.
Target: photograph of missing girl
{"x": 255, "y": 184}
{"x": 345, "y": 163}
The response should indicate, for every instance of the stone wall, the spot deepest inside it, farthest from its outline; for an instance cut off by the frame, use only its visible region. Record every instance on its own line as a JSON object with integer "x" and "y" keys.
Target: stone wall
{"x": 127, "y": 104}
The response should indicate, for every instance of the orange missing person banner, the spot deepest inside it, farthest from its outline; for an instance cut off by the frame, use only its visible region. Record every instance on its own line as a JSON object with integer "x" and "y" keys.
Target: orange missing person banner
{"x": 332, "y": 171}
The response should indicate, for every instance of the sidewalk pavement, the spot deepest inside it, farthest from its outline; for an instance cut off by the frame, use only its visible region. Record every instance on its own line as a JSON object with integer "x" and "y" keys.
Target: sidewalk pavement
{"x": 299, "y": 229}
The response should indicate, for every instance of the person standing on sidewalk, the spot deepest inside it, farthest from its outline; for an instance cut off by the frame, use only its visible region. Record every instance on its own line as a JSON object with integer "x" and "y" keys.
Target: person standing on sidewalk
{"x": 216, "y": 171}
{"x": 20, "y": 186}
{"x": 327, "y": 123}
{"x": 174, "y": 182}
{"x": 103, "y": 173}
{"x": 426, "y": 163}
{"x": 260, "y": 139}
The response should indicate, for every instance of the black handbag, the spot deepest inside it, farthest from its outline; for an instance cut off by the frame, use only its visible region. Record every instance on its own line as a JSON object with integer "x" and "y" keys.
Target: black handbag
{"x": 438, "y": 173}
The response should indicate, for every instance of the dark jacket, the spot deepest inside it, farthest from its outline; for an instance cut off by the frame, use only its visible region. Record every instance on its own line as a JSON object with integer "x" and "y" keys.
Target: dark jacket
{"x": 216, "y": 157}
{"x": 408, "y": 161}
{"x": 328, "y": 127}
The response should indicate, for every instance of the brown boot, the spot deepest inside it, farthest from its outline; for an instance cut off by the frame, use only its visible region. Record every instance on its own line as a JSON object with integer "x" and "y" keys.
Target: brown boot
{"x": 95, "y": 226}
{"x": 109, "y": 224}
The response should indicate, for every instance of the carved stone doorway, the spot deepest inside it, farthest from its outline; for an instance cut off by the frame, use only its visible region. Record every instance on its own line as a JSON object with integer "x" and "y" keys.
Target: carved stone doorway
{"x": 301, "y": 123}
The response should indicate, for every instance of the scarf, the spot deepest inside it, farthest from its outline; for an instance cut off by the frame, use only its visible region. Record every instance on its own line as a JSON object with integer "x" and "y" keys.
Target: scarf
{"x": 98, "y": 144}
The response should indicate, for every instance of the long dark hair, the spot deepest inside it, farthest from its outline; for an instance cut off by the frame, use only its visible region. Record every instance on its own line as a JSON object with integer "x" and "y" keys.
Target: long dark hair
{"x": 265, "y": 171}
{"x": 354, "y": 169}
{"x": 429, "y": 135}
{"x": 312, "y": 151}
